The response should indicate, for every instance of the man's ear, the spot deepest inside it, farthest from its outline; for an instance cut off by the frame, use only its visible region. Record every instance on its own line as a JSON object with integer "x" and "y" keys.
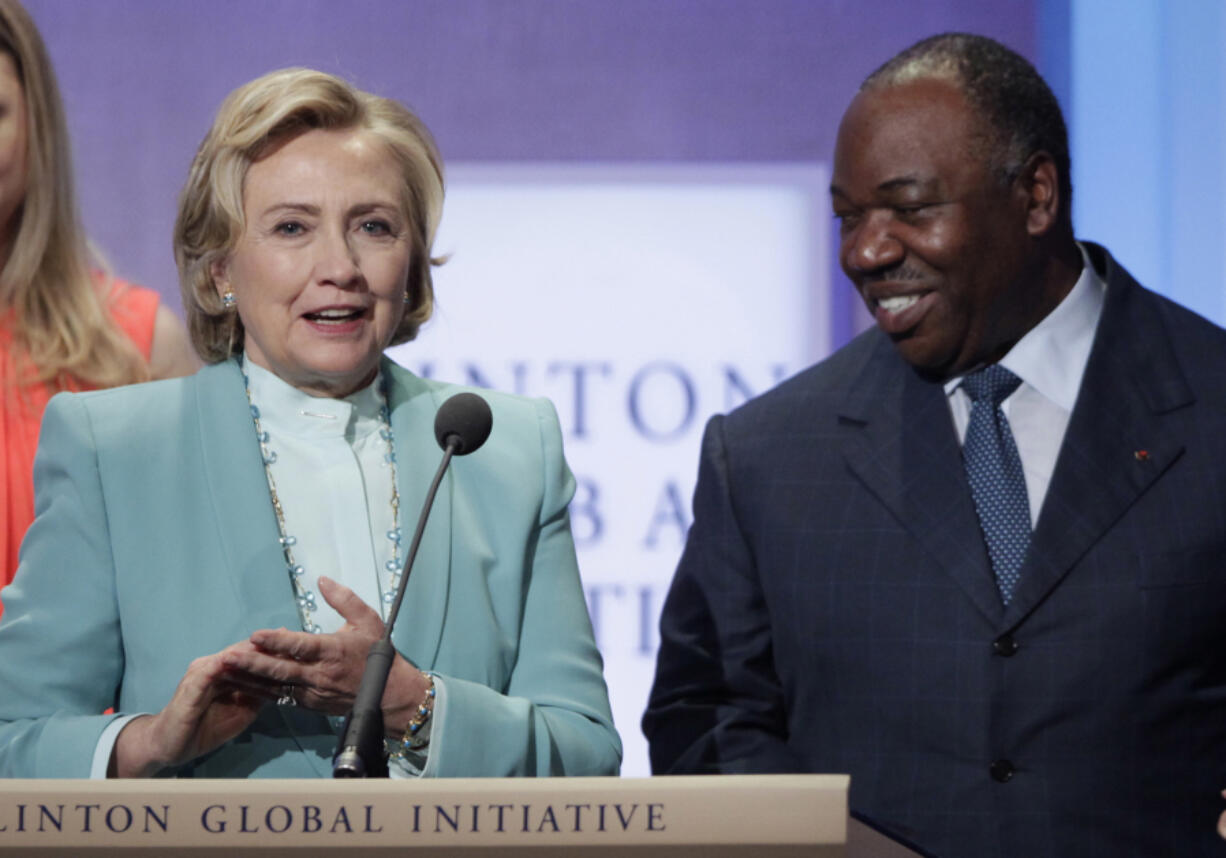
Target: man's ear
{"x": 1040, "y": 182}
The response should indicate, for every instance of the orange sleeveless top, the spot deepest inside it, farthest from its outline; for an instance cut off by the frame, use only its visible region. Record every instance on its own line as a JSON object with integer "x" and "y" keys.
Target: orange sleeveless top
{"x": 133, "y": 309}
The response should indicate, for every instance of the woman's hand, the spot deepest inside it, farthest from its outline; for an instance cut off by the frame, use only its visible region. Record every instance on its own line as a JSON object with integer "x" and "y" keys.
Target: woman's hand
{"x": 1221, "y": 820}
{"x": 207, "y": 710}
{"x": 325, "y": 670}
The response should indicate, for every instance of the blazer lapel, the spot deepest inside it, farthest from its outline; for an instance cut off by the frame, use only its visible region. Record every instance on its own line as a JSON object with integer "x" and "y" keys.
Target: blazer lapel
{"x": 1132, "y": 380}
{"x": 900, "y": 441}
{"x": 234, "y": 470}
{"x": 413, "y": 404}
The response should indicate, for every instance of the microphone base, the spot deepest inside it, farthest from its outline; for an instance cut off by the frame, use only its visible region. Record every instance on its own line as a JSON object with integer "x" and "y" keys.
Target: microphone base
{"x": 364, "y": 760}
{"x": 349, "y": 764}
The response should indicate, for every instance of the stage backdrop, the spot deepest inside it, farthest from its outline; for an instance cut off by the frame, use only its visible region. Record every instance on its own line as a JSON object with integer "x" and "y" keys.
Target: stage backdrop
{"x": 637, "y": 210}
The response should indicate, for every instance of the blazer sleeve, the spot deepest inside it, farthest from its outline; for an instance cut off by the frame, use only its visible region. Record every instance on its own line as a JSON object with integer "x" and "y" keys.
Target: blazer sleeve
{"x": 717, "y": 705}
{"x": 60, "y": 647}
{"x": 554, "y": 717}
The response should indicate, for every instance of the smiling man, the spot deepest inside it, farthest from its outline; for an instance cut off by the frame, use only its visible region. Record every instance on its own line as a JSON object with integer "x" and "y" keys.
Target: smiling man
{"x": 975, "y": 557}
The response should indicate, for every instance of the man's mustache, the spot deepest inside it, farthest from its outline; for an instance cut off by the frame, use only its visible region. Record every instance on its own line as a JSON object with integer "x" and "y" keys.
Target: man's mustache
{"x": 894, "y": 274}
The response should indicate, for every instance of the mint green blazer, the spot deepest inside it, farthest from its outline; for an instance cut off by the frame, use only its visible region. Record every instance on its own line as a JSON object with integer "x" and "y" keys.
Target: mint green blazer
{"x": 155, "y": 542}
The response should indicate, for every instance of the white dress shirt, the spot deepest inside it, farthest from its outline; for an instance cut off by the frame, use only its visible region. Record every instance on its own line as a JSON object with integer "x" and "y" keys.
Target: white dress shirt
{"x": 1051, "y": 361}
{"x": 334, "y": 484}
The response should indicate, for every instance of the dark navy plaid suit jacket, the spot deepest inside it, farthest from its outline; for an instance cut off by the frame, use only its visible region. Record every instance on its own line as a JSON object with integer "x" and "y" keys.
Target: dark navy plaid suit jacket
{"x": 835, "y": 611}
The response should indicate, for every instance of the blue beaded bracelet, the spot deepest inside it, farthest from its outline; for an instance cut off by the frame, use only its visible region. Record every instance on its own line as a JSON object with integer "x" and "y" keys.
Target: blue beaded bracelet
{"x": 411, "y": 743}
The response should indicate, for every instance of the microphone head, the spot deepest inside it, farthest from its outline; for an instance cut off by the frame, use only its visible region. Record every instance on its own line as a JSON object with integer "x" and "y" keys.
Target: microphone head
{"x": 464, "y": 422}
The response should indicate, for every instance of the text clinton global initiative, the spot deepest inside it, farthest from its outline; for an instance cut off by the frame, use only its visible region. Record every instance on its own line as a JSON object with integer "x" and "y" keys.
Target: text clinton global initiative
{"x": 86, "y": 818}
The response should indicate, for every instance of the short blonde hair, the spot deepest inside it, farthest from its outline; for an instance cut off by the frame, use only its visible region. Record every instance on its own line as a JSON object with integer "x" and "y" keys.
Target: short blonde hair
{"x": 258, "y": 116}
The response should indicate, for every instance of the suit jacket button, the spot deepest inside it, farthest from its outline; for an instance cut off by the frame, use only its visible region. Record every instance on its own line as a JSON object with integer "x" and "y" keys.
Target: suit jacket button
{"x": 1005, "y": 645}
{"x": 1001, "y": 771}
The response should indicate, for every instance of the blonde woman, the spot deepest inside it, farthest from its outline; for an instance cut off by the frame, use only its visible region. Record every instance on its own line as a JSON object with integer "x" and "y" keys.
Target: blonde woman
{"x": 63, "y": 326}
{"x": 214, "y": 555}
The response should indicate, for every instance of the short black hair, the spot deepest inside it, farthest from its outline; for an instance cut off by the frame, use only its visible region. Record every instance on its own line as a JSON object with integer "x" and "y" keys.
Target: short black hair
{"x": 1003, "y": 88}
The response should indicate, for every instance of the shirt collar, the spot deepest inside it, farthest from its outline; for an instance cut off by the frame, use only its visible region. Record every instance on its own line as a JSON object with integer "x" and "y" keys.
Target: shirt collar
{"x": 286, "y": 409}
{"x": 1052, "y": 356}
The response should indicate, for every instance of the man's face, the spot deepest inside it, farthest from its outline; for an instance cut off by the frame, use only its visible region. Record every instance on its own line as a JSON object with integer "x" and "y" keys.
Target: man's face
{"x": 936, "y": 245}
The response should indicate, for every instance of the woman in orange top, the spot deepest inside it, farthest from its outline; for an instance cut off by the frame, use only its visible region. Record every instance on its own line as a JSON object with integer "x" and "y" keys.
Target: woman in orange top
{"x": 62, "y": 325}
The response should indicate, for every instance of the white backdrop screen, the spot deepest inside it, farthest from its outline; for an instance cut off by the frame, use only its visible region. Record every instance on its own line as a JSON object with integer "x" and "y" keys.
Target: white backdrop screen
{"x": 640, "y": 300}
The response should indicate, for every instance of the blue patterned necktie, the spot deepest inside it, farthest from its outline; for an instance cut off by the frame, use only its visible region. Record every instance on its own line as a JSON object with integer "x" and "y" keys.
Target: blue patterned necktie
{"x": 994, "y": 471}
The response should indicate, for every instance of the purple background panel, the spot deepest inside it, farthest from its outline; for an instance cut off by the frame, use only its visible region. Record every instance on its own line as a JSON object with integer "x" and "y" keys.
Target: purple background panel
{"x": 559, "y": 86}
{"x": 496, "y": 80}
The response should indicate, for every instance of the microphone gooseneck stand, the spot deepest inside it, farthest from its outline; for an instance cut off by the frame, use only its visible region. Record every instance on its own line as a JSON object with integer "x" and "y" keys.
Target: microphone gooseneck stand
{"x": 462, "y": 425}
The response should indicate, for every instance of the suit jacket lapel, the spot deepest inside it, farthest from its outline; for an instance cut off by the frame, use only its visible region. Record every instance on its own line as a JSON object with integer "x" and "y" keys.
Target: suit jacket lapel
{"x": 234, "y": 468}
{"x": 234, "y": 471}
{"x": 900, "y": 441}
{"x": 1131, "y": 380}
{"x": 413, "y": 405}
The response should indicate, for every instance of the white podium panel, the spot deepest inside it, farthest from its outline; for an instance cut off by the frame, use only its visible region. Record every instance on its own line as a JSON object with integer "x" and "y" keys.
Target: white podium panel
{"x": 774, "y": 815}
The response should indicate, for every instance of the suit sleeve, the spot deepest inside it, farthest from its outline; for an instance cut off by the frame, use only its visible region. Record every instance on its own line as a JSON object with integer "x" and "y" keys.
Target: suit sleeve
{"x": 717, "y": 705}
{"x": 61, "y": 656}
{"x": 554, "y": 717}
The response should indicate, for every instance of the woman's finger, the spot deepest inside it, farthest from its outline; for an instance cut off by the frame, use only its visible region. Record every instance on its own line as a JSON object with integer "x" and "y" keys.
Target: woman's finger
{"x": 205, "y": 711}
{"x": 327, "y": 684}
{"x": 350, "y": 606}
{"x": 298, "y": 646}
{"x": 255, "y": 687}
{"x": 264, "y": 668}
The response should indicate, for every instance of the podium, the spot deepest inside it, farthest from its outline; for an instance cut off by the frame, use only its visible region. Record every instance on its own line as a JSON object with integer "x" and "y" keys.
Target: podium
{"x": 678, "y": 817}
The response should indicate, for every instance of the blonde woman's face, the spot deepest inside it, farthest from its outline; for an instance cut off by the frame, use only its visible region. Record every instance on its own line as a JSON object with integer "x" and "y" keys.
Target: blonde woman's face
{"x": 13, "y": 143}
{"x": 321, "y": 269}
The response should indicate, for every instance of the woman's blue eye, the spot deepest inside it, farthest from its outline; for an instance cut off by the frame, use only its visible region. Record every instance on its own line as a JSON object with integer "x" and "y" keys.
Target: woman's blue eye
{"x": 290, "y": 228}
{"x": 376, "y": 227}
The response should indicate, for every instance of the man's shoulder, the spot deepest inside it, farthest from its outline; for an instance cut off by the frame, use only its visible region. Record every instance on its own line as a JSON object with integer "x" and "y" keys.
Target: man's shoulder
{"x": 1137, "y": 315}
{"x": 816, "y": 391}
{"x": 1183, "y": 322}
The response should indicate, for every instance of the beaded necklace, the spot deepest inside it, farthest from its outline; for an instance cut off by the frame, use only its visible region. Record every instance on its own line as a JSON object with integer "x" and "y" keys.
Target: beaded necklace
{"x": 303, "y": 594}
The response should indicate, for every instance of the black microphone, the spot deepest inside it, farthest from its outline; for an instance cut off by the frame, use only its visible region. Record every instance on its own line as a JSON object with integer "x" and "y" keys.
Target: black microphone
{"x": 463, "y": 423}
{"x": 461, "y": 426}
